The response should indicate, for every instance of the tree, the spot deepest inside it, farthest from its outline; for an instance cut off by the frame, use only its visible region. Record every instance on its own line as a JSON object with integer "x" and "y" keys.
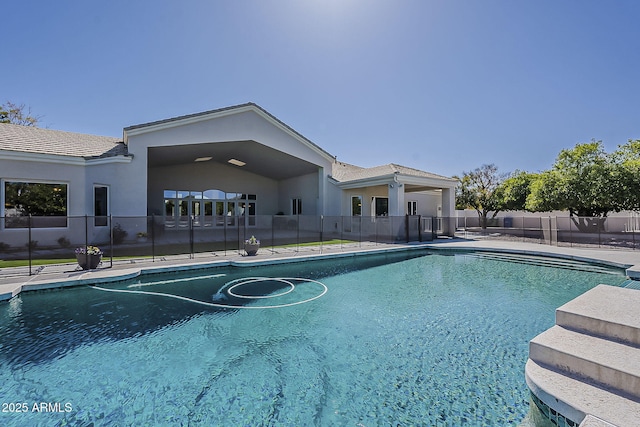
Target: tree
{"x": 515, "y": 190}
{"x": 582, "y": 181}
{"x": 480, "y": 190}
{"x": 17, "y": 114}
{"x": 626, "y": 174}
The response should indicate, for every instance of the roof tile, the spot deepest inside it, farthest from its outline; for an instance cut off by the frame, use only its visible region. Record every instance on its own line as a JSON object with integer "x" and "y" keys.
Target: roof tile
{"x": 344, "y": 172}
{"x": 29, "y": 139}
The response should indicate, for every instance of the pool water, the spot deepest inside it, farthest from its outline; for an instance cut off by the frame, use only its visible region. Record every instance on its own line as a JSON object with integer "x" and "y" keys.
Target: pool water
{"x": 397, "y": 339}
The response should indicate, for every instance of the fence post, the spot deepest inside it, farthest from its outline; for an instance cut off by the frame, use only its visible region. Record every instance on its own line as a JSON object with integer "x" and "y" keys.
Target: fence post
{"x": 420, "y": 228}
{"x": 153, "y": 240}
{"x": 465, "y": 226}
{"x": 321, "y": 242}
{"x": 191, "y": 252}
{"x": 570, "y": 232}
{"x": 29, "y": 245}
{"x": 111, "y": 238}
{"x": 375, "y": 230}
{"x": 434, "y": 228}
{"x": 272, "y": 234}
{"x": 297, "y": 233}
{"x": 599, "y": 225}
{"x": 406, "y": 226}
{"x": 224, "y": 234}
{"x": 86, "y": 239}
{"x": 237, "y": 223}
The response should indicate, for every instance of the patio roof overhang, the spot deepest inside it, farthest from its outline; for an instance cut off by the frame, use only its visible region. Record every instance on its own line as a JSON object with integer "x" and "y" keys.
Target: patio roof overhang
{"x": 411, "y": 183}
{"x": 257, "y": 158}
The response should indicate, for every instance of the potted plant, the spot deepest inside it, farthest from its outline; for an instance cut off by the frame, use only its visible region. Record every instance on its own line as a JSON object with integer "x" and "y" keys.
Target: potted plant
{"x": 251, "y": 246}
{"x": 142, "y": 236}
{"x": 88, "y": 257}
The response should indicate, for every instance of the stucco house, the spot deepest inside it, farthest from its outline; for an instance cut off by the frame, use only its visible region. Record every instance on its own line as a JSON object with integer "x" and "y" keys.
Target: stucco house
{"x": 234, "y": 163}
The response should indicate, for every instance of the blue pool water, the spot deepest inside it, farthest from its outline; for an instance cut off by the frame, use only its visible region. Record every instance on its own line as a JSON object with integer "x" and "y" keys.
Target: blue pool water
{"x": 396, "y": 339}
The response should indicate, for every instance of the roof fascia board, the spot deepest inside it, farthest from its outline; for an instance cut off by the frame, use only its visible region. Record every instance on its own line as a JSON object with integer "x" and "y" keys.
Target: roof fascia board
{"x": 108, "y": 160}
{"x": 403, "y": 179}
{"x": 185, "y": 121}
{"x": 61, "y": 160}
{"x": 367, "y": 182}
{"x": 424, "y": 181}
{"x": 295, "y": 135}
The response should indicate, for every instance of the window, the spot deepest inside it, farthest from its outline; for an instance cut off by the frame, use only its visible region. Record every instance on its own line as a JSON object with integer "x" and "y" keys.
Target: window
{"x": 46, "y": 202}
{"x": 381, "y": 206}
{"x": 100, "y": 206}
{"x": 356, "y": 205}
{"x": 208, "y": 208}
{"x": 296, "y": 206}
{"x": 412, "y": 208}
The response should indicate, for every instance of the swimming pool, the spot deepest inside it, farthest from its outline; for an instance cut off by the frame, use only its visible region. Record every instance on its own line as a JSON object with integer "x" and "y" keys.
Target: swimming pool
{"x": 411, "y": 338}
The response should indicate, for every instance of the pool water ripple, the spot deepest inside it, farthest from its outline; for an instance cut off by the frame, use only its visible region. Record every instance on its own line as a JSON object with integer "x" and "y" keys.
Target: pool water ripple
{"x": 435, "y": 340}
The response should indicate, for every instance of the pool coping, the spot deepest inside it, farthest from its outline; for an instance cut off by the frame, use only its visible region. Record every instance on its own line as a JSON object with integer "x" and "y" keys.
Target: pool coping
{"x": 110, "y": 275}
{"x": 627, "y": 260}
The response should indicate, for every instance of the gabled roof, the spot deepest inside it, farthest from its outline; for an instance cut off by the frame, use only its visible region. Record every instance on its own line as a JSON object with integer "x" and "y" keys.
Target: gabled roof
{"x": 206, "y": 115}
{"x": 344, "y": 172}
{"x": 29, "y": 139}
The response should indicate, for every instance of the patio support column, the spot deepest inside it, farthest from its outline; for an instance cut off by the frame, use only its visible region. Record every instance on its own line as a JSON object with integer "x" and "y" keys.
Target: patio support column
{"x": 321, "y": 209}
{"x": 396, "y": 199}
{"x": 448, "y": 210}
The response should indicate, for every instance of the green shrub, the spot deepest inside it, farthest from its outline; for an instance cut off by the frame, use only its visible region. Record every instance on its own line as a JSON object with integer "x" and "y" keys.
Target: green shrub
{"x": 119, "y": 234}
{"x": 64, "y": 242}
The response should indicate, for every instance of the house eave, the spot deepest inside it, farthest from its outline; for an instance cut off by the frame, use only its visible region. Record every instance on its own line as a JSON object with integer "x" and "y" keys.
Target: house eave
{"x": 61, "y": 160}
{"x": 425, "y": 182}
{"x": 224, "y": 112}
{"x": 365, "y": 182}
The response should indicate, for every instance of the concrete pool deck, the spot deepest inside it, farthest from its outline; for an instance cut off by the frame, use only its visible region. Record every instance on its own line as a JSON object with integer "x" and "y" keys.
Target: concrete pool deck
{"x": 13, "y": 281}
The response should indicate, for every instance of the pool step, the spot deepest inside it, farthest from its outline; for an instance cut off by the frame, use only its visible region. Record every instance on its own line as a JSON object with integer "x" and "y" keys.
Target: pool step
{"x": 574, "y": 399}
{"x": 604, "y": 311}
{"x": 589, "y": 362}
{"x": 541, "y": 261}
{"x": 605, "y": 363}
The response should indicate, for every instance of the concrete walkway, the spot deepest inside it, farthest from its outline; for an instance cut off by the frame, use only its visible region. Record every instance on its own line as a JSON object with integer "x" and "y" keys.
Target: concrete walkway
{"x": 16, "y": 280}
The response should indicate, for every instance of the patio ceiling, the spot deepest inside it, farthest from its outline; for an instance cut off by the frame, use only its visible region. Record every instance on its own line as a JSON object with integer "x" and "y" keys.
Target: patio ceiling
{"x": 258, "y": 159}
{"x": 417, "y": 188}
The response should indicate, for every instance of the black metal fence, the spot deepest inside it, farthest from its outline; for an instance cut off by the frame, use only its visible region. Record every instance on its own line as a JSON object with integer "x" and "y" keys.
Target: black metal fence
{"x": 619, "y": 232}
{"x": 56, "y": 238}
{"x": 52, "y": 238}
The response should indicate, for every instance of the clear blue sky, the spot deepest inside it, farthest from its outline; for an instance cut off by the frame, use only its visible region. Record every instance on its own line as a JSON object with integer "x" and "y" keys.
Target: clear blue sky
{"x": 440, "y": 85}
